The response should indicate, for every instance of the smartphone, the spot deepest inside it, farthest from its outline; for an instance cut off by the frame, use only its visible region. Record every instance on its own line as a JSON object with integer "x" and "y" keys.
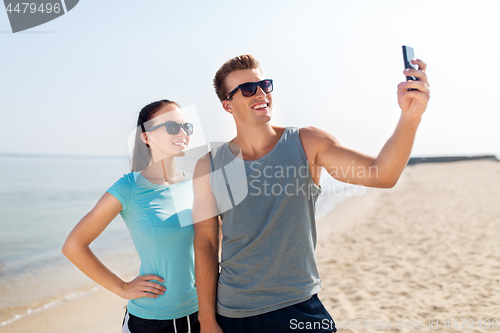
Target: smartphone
{"x": 408, "y": 54}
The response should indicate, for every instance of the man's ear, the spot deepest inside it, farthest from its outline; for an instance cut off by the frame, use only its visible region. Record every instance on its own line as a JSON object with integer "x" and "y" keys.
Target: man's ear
{"x": 227, "y": 106}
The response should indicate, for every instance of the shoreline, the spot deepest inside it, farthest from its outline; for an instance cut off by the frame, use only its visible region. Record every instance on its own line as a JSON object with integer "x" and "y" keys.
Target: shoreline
{"x": 58, "y": 282}
{"x": 90, "y": 301}
{"x": 17, "y": 320}
{"x": 97, "y": 311}
{"x": 49, "y": 305}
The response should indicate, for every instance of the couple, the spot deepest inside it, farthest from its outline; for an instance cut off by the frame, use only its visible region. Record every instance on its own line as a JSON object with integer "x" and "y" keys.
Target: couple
{"x": 268, "y": 276}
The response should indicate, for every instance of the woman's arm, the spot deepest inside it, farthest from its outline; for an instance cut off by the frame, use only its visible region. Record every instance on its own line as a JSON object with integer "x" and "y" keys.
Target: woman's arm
{"x": 77, "y": 250}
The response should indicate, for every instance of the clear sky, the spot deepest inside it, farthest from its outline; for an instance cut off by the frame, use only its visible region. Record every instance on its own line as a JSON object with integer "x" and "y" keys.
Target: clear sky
{"x": 76, "y": 84}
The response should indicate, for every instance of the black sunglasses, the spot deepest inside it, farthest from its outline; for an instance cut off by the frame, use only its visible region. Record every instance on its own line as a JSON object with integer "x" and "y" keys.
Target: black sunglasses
{"x": 250, "y": 88}
{"x": 174, "y": 127}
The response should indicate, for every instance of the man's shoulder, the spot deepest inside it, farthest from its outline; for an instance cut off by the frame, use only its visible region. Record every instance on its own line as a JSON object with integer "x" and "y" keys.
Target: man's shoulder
{"x": 311, "y": 130}
{"x": 310, "y": 134}
{"x": 315, "y": 139}
{"x": 202, "y": 166}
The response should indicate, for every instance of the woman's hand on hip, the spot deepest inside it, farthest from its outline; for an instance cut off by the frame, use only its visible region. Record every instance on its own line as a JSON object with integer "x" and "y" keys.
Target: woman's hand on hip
{"x": 143, "y": 286}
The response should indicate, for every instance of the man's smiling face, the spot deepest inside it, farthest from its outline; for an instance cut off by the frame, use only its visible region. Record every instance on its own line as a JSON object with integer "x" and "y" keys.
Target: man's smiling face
{"x": 253, "y": 110}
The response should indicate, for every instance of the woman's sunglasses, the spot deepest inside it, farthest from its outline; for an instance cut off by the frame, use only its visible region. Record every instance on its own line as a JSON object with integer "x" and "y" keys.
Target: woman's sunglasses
{"x": 174, "y": 127}
{"x": 250, "y": 88}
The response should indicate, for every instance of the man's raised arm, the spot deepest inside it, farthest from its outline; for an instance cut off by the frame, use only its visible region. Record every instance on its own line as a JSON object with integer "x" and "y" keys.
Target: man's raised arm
{"x": 350, "y": 166}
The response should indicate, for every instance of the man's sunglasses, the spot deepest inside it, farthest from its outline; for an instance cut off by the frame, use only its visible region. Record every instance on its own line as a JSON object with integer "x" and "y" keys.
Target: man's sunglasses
{"x": 250, "y": 88}
{"x": 174, "y": 127}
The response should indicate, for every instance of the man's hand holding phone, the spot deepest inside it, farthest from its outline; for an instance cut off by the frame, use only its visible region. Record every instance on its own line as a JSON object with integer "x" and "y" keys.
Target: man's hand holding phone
{"x": 413, "y": 94}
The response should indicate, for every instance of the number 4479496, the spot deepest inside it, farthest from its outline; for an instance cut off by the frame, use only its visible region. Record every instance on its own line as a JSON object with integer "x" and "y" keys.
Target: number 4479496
{"x": 471, "y": 324}
{"x": 32, "y": 8}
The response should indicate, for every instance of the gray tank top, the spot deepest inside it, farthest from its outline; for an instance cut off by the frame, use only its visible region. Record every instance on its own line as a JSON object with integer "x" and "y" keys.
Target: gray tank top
{"x": 267, "y": 208}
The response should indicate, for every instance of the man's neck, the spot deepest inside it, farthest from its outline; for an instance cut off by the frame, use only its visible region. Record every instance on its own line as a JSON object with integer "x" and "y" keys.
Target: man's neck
{"x": 256, "y": 141}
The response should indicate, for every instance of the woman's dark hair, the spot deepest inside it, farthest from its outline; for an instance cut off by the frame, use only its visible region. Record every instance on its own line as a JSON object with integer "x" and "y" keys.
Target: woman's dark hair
{"x": 142, "y": 153}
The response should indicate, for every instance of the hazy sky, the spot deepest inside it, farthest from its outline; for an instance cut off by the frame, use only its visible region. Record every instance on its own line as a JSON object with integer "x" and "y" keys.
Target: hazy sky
{"x": 76, "y": 84}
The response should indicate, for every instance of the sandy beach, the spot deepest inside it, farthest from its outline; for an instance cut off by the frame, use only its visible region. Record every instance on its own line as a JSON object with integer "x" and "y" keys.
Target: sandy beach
{"x": 425, "y": 252}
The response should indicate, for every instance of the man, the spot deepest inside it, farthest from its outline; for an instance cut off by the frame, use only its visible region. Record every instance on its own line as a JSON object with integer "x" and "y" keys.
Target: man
{"x": 268, "y": 279}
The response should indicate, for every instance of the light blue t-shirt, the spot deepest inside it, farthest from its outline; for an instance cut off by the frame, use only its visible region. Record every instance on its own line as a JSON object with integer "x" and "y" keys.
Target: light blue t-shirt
{"x": 160, "y": 223}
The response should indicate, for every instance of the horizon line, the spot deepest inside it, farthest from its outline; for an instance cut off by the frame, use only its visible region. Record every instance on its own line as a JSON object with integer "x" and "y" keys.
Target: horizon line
{"x": 46, "y": 155}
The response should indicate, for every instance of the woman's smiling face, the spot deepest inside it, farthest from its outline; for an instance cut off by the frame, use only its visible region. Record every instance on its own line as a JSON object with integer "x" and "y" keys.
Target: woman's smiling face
{"x": 162, "y": 143}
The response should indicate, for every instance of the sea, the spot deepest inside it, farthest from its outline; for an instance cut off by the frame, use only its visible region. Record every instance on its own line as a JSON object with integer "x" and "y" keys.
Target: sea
{"x": 42, "y": 198}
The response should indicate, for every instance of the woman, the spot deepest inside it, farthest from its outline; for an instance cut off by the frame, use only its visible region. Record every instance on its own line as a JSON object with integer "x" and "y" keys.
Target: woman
{"x": 155, "y": 204}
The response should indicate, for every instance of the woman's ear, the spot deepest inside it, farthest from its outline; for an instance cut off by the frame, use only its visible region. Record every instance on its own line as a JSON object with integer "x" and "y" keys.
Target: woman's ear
{"x": 145, "y": 138}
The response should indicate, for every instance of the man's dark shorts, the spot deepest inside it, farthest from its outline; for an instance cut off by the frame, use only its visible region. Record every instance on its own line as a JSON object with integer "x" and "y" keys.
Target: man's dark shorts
{"x": 308, "y": 316}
